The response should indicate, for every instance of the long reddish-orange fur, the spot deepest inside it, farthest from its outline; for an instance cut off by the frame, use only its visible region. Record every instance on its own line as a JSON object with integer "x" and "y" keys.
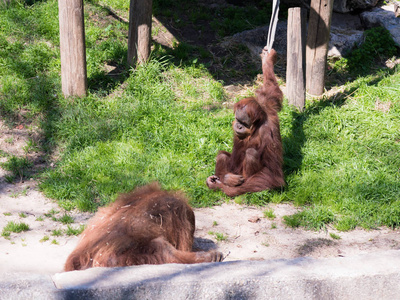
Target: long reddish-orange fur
{"x": 255, "y": 163}
{"x": 146, "y": 226}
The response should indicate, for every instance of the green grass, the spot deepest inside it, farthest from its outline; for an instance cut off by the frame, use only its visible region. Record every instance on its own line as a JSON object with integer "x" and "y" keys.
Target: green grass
{"x": 14, "y": 227}
{"x": 74, "y": 231}
{"x": 146, "y": 132}
{"x": 335, "y": 236}
{"x": 315, "y": 218}
{"x": 378, "y": 43}
{"x": 51, "y": 213}
{"x": 66, "y": 219}
{"x": 166, "y": 121}
{"x": 18, "y": 166}
{"x": 44, "y": 239}
{"x": 269, "y": 213}
{"x": 57, "y": 232}
{"x": 218, "y": 236}
{"x": 15, "y": 194}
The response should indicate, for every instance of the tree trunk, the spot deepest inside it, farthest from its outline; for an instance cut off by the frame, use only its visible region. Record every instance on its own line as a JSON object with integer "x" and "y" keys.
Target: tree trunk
{"x": 295, "y": 80}
{"x": 72, "y": 48}
{"x": 139, "y": 36}
{"x": 317, "y": 45}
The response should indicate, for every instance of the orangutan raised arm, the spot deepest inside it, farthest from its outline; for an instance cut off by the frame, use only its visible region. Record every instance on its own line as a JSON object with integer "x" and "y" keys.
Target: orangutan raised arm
{"x": 255, "y": 163}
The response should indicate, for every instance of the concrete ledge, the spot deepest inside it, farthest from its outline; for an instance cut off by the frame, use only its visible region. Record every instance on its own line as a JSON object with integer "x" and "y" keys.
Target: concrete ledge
{"x": 370, "y": 276}
{"x": 26, "y": 286}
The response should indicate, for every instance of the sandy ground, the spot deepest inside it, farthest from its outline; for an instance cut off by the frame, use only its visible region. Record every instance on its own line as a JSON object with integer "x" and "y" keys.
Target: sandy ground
{"x": 249, "y": 235}
{"x": 244, "y": 233}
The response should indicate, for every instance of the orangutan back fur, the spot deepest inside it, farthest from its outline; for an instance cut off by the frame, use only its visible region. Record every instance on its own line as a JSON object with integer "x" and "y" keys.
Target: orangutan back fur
{"x": 123, "y": 233}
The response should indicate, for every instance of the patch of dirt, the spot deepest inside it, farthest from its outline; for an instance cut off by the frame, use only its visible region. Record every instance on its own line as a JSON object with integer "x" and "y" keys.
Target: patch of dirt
{"x": 382, "y": 106}
{"x": 240, "y": 232}
{"x": 251, "y": 236}
{"x": 37, "y": 250}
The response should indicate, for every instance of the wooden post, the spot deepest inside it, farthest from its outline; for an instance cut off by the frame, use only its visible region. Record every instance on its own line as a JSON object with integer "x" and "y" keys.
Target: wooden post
{"x": 139, "y": 35}
{"x": 72, "y": 47}
{"x": 295, "y": 75}
{"x": 317, "y": 45}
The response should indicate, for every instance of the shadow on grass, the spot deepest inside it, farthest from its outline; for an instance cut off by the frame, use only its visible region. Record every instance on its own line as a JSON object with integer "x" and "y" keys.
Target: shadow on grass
{"x": 294, "y": 142}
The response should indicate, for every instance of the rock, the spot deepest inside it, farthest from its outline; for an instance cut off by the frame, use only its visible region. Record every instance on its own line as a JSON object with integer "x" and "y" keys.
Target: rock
{"x": 346, "y": 21}
{"x": 345, "y": 6}
{"x": 383, "y": 16}
{"x": 346, "y": 31}
{"x": 340, "y": 6}
{"x": 256, "y": 39}
{"x": 254, "y": 219}
{"x": 343, "y": 41}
